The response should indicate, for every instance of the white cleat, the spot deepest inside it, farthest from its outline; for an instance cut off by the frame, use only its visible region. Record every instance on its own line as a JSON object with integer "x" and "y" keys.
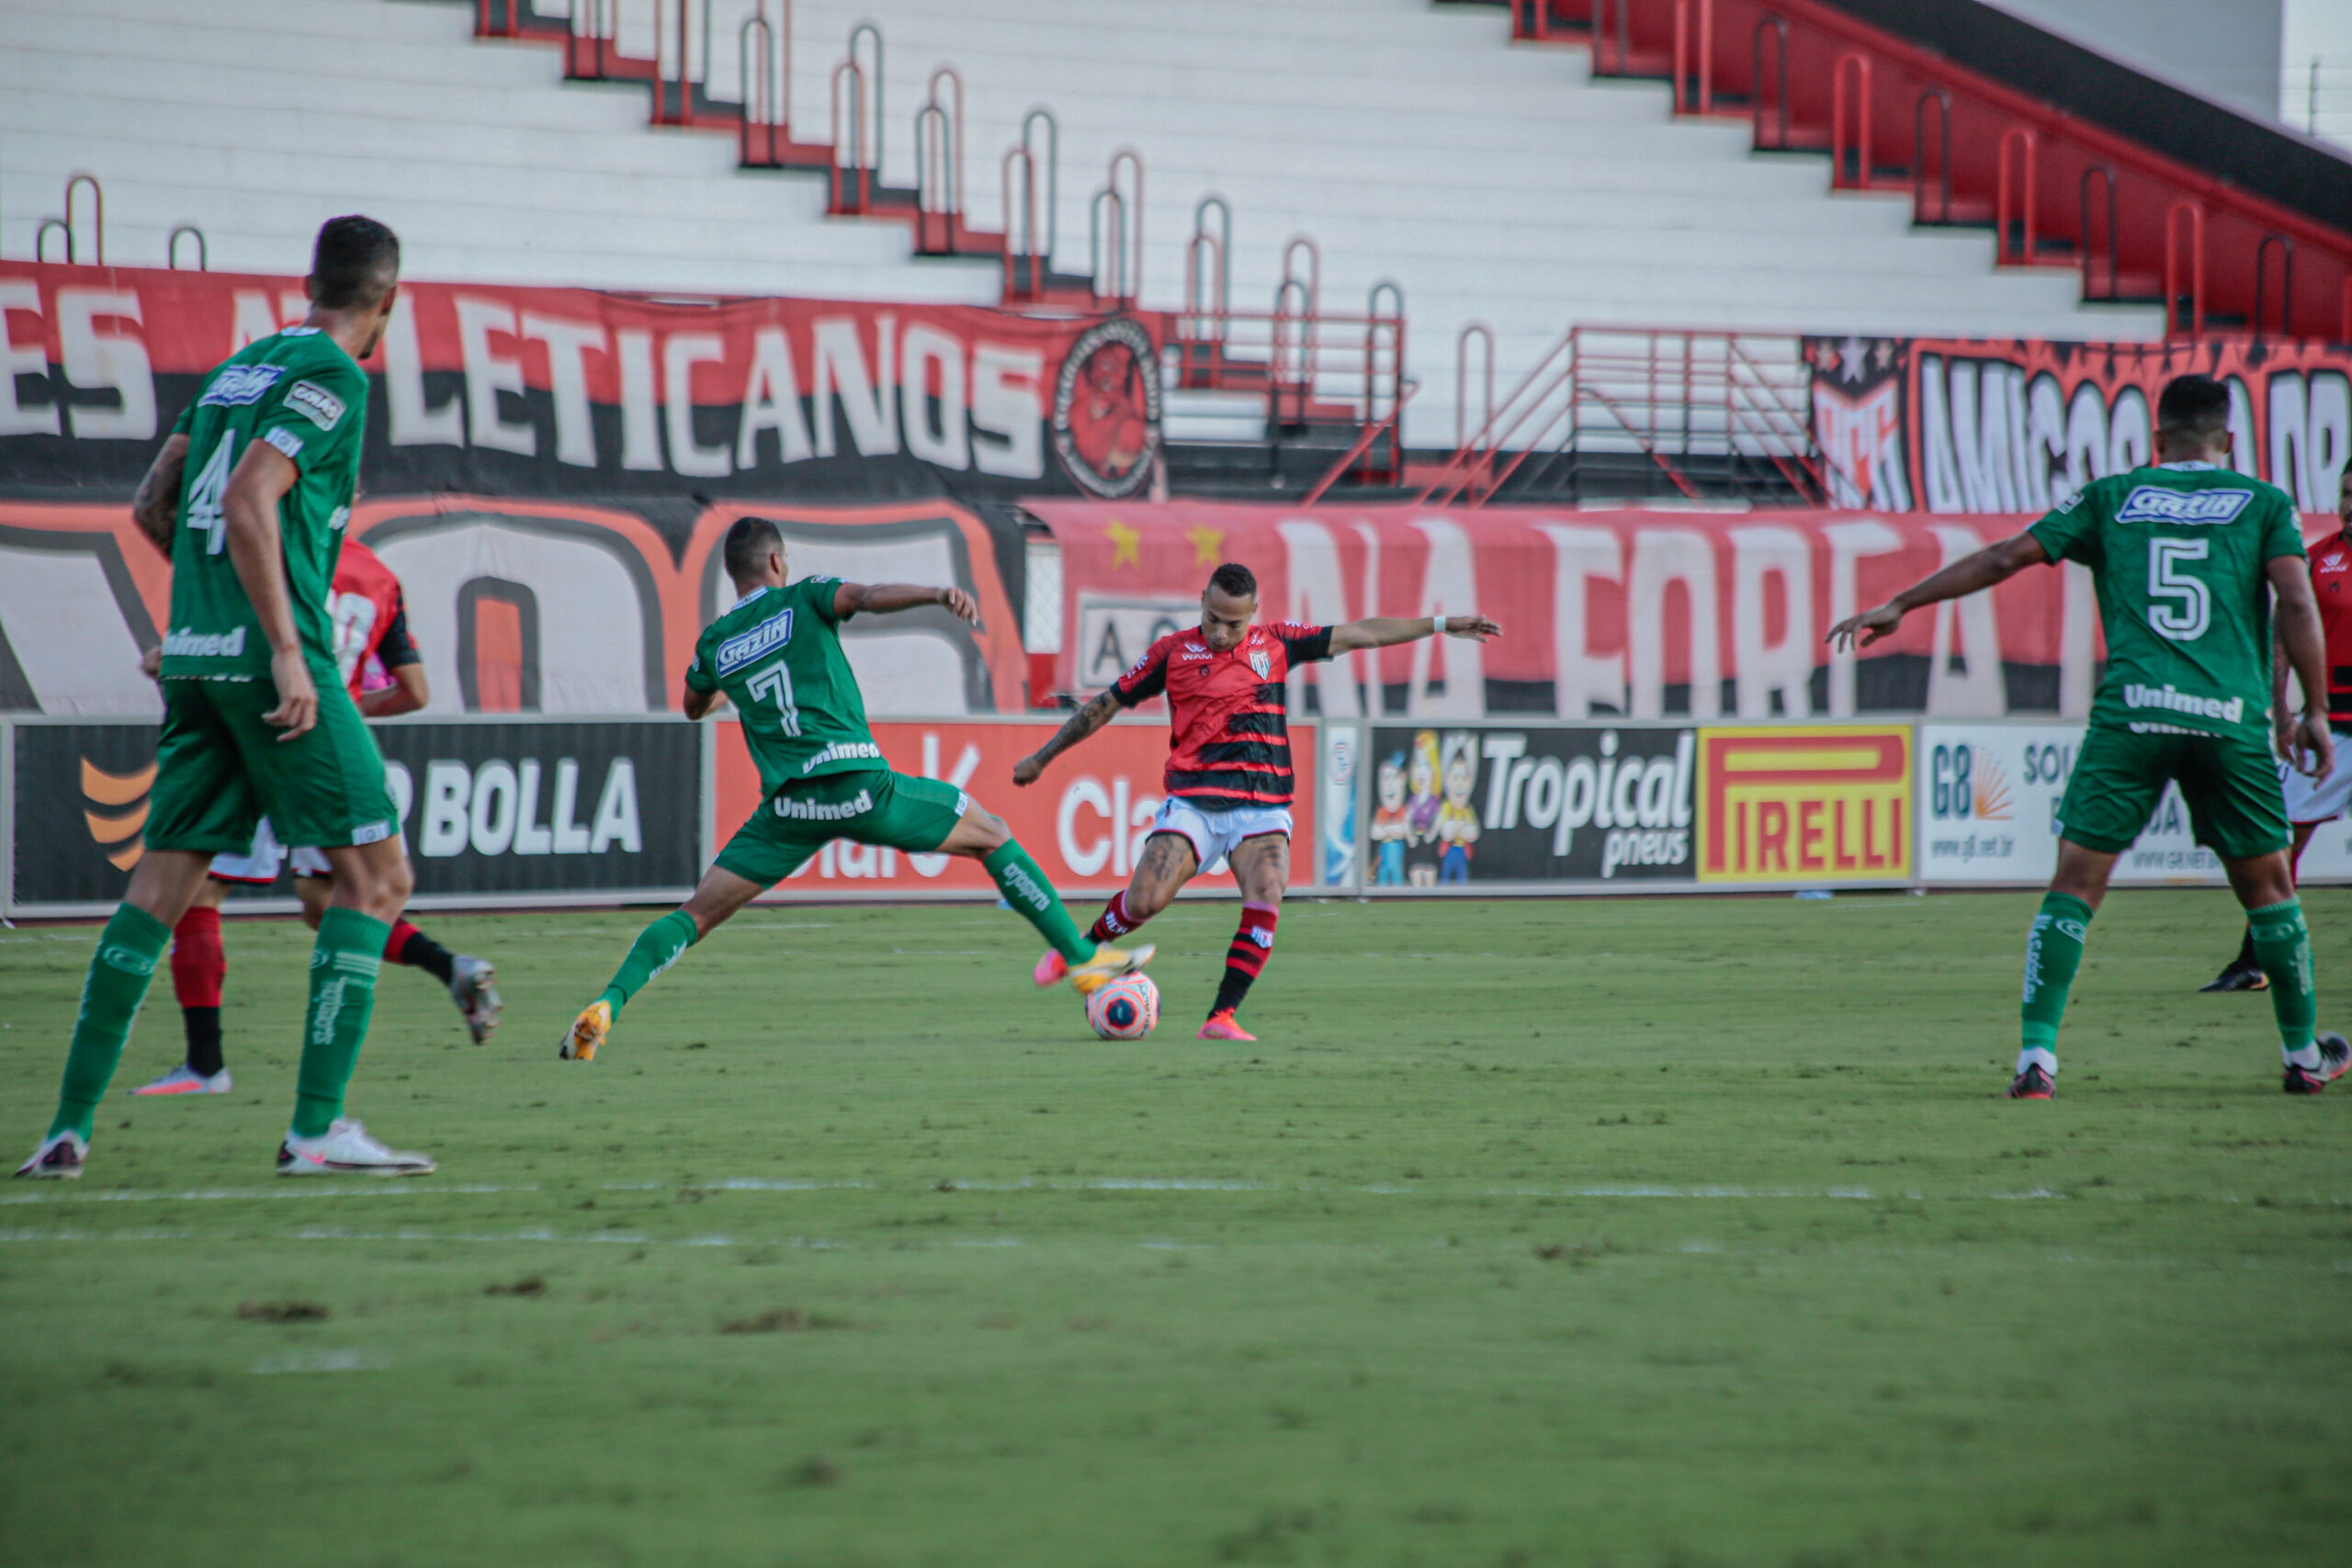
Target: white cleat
{"x": 345, "y": 1149}
{"x": 477, "y": 999}
{"x": 58, "y": 1158}
{"x": 185, "y": 1079}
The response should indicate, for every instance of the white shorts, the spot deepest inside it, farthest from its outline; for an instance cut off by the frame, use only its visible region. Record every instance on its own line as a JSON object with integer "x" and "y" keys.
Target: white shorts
{"x": 2311, "y": 800}
{"x": 259, "y": 864}
{"x": 1215, "y": 834}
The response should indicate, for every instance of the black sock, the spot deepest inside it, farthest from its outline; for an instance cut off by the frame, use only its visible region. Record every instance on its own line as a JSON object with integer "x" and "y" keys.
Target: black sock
{"x": 203, "y": 1039}
{"x": 421, "y": 951}
{"x": 1230, "y": 992}
{"x": 2246, "y": 958}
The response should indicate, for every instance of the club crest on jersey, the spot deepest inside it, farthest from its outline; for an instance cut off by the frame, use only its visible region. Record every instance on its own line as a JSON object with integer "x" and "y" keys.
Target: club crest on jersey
{"x": 240, "y": 385}
{"x": 1262, "y": 662}
{"x": 314, "y": 403}
{"x": 2153, "y": 504}
{"x": 744, "y": 647}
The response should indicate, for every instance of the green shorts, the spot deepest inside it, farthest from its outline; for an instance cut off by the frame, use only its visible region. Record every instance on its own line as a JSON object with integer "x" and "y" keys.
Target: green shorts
{"x": 2230, "y": 782}
{"x": 871, "y": 807}
{"x": 220, "y": 769}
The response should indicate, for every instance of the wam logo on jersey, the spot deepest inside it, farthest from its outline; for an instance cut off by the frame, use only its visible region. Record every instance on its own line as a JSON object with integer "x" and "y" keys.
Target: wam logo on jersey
{"x": 744, "y": 647}
{"x": 2153, "y": 504}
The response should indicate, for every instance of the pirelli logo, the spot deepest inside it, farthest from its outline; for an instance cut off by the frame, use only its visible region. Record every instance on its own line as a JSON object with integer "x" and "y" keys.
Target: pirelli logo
{"x": 1804, "y": 804}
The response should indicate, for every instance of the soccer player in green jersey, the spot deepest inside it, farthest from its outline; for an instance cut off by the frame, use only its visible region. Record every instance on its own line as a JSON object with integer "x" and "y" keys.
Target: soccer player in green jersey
{"x": 250, "y": 496}
{"x": 2187, "y": 555}
{"x": 777, "y": 655}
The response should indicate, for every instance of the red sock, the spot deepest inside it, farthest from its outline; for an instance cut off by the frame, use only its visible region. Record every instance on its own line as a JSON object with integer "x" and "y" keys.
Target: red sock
{"x": 1253, "y": 943}
{"x": 199, "y": 962}
{"x": 397, "y": 942}
{"x": 1113, "y": 921}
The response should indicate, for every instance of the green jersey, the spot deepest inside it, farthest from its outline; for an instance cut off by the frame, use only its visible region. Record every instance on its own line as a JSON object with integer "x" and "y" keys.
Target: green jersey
{"x": 2179, "y": 554}
{"x": 302, "y": 394}
{"x": 777, "y": 654}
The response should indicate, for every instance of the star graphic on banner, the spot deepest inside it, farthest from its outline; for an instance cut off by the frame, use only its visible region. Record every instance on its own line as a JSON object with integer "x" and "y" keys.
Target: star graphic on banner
{"x": 1124, "y": 544}
{"x": 1208, "y": 545}
{"x": 1855, "y": 359}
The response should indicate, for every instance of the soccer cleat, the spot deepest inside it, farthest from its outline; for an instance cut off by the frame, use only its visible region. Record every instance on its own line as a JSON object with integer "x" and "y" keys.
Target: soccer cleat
{"x": 345, "y": 1149}
{"x": 185, "y": 1079}
{"x": 1107, "y": 964}
{"x": 2031, "y": 1084}
{"x": 477, "y": 999}
{"x": 1223, "y": 1026}
{"x": 587, "y": 1031}
{"x": 1051, "y": 970}
{"x": 2238, "y": 977}
{"x": 58, "y": 1158}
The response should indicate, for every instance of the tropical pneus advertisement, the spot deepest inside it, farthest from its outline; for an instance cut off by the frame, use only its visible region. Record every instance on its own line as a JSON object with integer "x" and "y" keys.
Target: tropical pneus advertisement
{"x": 1600, "y": 805}
{"x": 1988, "y": 798}
{"x": 1085, "y": 821}
{"x": 493, "y": 812}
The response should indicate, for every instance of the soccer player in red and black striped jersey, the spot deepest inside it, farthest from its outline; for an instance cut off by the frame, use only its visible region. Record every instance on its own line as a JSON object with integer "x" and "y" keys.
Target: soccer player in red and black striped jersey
{"x": 1228, "y": 778}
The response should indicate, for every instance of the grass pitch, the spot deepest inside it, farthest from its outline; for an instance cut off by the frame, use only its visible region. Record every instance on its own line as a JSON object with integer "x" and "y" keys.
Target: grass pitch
{"x": 1646, "y": 1232}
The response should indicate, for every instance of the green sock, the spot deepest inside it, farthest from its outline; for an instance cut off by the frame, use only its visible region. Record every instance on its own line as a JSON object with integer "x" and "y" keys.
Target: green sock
{"x": 344, "y": 961}
{"x": 1022, "y": 883}
{"x": 2282, "y": 945}
{"x": 657, "y": 947}
{"x": 2053, "y": 949}
{"x": 133, "y": 940}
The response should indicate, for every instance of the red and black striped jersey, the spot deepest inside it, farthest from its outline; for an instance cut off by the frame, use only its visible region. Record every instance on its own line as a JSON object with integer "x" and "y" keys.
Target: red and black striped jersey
{"x": 2331, "y": 586}
{"x": 1229, "y": 742}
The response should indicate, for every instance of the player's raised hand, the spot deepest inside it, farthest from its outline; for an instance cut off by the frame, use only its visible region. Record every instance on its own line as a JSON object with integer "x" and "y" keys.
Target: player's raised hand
{"x": 1476, "y": 626}
{"x": 1027, "y": 771}
{"x": 1860, "y": 631}
{"x": 961, "y": 604}
{"x": 298, "y": 699}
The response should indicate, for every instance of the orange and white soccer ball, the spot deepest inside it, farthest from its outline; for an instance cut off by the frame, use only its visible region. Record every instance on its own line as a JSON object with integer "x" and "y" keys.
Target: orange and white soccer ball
{"x": 1125, "y": 1009}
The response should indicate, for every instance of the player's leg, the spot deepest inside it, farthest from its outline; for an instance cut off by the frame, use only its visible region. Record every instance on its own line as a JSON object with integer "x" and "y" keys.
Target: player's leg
{"x": 470, "y": 981}
{"x": 2117, "y": 779}
{"x": 953, "y": 823}
{"x": 1170, "y": 858}
{"x": 199, "y": 968}
{"x": 1262, "y": 865}
{"x": 200, "y": 806}
{"x": 725, "y": 888}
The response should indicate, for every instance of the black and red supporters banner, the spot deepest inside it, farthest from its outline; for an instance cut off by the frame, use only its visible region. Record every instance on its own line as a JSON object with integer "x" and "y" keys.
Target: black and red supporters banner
{"x": 572, "y": 392}
{"x": 1956, "y": 425}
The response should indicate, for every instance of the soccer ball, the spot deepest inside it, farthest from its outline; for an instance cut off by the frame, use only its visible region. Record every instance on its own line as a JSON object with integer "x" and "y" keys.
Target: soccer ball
{"x": 1126, "y": 1008}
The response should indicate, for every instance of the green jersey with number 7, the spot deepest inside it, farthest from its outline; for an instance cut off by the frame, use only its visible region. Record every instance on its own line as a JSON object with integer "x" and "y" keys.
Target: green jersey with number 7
{"x": 302, "y": 394}
{"x": 2178, "y": 552}
{"x": 777, "y": 654}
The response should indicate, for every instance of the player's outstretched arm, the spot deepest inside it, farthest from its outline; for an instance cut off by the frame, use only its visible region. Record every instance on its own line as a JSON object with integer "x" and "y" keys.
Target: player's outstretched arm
{"x": 156, "y": 506}
{"x": 2312, "y": 747}
{"x": 1083, "y": 723}
{"x": 249, "y": 512}
{"x": 1386, "y": 631}
{"x": 882, "y": 598}
{"x": 1994, "y": 564}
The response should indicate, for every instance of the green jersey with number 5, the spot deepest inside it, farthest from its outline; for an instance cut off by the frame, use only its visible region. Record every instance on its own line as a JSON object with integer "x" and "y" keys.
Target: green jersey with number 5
{"x": 2179, "y": 553}
{"x": 303, "y": 395}
{"x": 777, "y": 654}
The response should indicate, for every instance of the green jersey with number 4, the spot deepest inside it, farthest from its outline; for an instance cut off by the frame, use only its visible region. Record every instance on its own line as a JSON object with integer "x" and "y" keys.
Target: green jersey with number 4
{"x": 302, "y": 394}
{"x": 777, "y": 654}
{"x": 2179, "y": 552}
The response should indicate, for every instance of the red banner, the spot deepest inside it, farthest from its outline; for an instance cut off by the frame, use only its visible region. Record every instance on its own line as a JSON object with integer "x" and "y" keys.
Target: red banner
{"x": 1977, "y": 426}
{"x": 572, "y": 390}
{"x": 1085, "y": 822}
{"x": 1645, "y": 613}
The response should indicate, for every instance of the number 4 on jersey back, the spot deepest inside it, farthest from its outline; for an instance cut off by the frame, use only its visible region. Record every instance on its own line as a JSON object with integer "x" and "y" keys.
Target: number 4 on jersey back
{"x": 204, "y": 492}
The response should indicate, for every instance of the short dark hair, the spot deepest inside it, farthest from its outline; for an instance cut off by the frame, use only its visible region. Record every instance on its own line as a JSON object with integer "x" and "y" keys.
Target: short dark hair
{"x": 1235, "y": 580}
{"x": 354, "y": 263}
{"x": 749, "y": 542}
{"x": 2195, "y": 406}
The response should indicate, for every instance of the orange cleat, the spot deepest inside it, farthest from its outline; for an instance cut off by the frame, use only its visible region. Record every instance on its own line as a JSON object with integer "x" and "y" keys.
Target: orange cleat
{"x": 587, "y": 1031}
{"x": 1222, "y": 1026}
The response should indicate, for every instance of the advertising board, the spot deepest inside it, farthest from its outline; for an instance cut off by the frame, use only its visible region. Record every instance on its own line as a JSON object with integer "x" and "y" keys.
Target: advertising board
{"x": 1804, "y": 804}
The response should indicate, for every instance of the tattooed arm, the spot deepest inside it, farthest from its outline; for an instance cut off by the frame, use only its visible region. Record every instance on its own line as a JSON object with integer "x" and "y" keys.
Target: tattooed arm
{"x": 1083, "y": 723}
{"x": 156, "y": 507}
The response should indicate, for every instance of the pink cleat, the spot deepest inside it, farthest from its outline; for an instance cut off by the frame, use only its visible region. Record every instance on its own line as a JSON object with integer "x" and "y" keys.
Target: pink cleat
{"x": 1222, "y": 1026}
{"x": 1051, "y": 970}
